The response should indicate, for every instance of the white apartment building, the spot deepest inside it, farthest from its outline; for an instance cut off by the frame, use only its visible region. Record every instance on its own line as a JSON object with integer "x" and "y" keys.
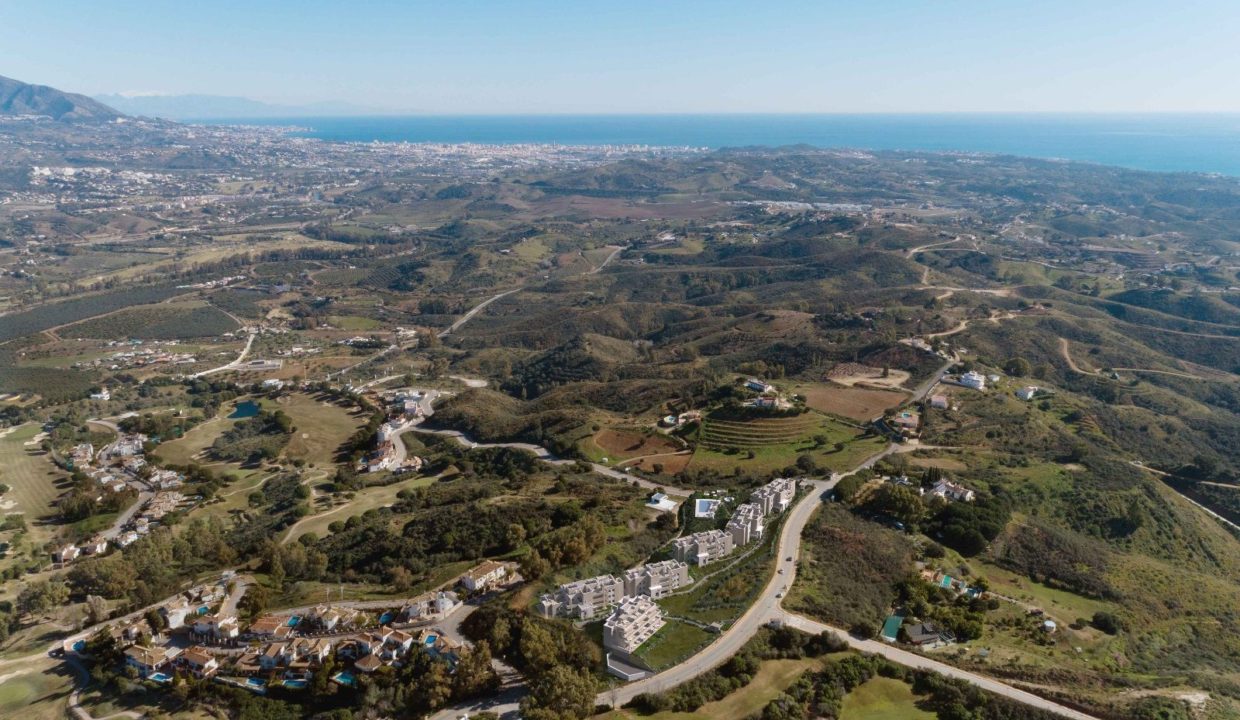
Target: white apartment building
{"x": 746, "y": 524}
{"x": 583, "y": 598}
{"x": 775, "y": 496}
{"x": 703, "y": 548}
{"x": 656, "y": 579}
{"x": 631, "y": 624}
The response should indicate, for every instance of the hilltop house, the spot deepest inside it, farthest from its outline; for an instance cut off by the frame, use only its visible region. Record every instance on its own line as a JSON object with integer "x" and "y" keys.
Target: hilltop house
{"x": 952, "y": 491}
{"x": 486, "y": 575}
{"x": 973, "y": 379}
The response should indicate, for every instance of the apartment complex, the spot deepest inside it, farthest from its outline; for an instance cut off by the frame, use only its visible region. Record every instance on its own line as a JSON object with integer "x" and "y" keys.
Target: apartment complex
{"x": 745, "y": 525}
{"x": 583, "y": 598}
{"x": 631, "y": 624}
{"x": 775, "y": 496}
{"x": 656, "y": 579}
{"x": 703, "y": 548}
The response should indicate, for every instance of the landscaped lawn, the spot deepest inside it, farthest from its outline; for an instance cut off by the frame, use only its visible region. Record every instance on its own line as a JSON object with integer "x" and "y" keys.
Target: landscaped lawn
{"x": 32, "y": 476}
{"x": 321, "y": 427}
{"x": 883, "y": 699}
{"x": 34, "y": 693}
{"x": 674, "y": 642}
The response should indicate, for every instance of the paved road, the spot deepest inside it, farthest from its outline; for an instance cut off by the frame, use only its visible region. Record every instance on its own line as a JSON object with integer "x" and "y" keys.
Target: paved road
{"x": 123, "y": 519}
{"x": 245, "y": 351}
{"x": 764, "y": 609}
{"x": 474, "y": 311}
{"x": 913, "y": 660}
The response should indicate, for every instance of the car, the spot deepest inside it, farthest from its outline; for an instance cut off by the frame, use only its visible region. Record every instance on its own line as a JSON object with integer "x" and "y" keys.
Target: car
{"x": 781, "y": 571}
{"x": 788, "y": 559}
{"x": 779, "y": 595}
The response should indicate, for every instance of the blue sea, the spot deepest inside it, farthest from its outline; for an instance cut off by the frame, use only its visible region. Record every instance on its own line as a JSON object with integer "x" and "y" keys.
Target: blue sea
{"x": 1168, "y": 142}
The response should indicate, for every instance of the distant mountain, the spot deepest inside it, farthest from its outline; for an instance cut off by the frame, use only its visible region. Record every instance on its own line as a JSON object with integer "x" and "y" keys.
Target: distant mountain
{"x": 19, "y": 98}
{"x": 198, "y": 107}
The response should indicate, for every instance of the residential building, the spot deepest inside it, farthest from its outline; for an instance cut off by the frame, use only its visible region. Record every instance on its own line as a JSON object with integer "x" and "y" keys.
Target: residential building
{"x": 95, "y": 546}
{"x": 149, "y": 660}
{"x": 758, "y": 386}
{"x": 273, "y": 657}
{"x": 775, "y": 496}
{"x": 432, "y": 604}
{"x": 584, "y": 598}
{"x": 66, "y": 553}
{"x": 486, "y": 575}
{"x": 1028, "y": 392}
{"x": 199, "y": 662}
{"x": 703, "y": 548}
{"x": 631, "y": 624}
{"x": 175, "y": 611}
{"x": 952, "y": 491}
{"x": 656, "y": 579}
{"x": 368, "y": 664}
{"x": 939, "y": 402}
{"x": 973, "y": 379}
{"x": 103, "y": 394}
{"x": 746, "y": 524}
{"x": 266, "y": 626}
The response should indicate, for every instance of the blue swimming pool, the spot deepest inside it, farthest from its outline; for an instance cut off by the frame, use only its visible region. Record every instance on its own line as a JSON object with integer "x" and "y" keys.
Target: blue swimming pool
{"x": 385, "y": 618}
{"x": 345, "y": 677}
{"x": 296, "y": 684}
{"x": 79, "y": 646}
{"x": 292, "y": 622}
{"x": 160, "y": 677}
{"x": 256, "y": 682}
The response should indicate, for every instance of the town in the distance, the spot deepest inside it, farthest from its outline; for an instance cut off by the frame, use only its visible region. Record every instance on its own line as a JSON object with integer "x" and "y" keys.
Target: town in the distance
{"x": 295, "y": 428}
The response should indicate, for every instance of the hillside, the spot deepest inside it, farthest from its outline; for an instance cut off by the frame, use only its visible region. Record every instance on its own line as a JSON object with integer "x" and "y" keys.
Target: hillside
{"x": 19, "y": 98}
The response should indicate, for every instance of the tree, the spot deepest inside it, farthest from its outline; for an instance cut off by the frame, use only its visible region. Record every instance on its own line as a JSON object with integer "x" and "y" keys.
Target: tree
{"x": 563, "y": 693}
{"x": 899, "y": 502}
{"x": 39, "y": 597}
{"x": 1017, "y": 367}
{"x": 474, "y": 674}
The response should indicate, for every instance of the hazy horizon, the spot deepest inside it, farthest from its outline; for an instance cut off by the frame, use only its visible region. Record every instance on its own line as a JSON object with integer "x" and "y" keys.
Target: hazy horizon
{"x": 645, "y": 58}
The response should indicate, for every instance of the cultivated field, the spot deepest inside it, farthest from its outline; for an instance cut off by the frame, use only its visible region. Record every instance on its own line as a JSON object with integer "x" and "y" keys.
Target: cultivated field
{"x": 770, "y": 444}
{"x": 856, "y": 403}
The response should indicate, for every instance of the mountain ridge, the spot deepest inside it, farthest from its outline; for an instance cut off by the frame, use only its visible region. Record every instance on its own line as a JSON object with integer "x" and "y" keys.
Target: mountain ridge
{"x": 21, "y": 98}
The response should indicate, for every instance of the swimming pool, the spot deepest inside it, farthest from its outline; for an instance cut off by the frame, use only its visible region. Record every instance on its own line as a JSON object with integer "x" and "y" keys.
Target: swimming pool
{"x": 430, "y": 640}
{"x": 344, "y": 677}
{"x": 385, "y": 618}
{"x": 160, "y": 677}
{"x": 256, "y": 682}
{"x": 292, "y": 622}
{"x": 296, "y": 684}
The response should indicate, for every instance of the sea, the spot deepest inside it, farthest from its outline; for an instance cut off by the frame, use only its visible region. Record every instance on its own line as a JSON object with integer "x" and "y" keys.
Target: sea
{"x": 1158, "y": 142}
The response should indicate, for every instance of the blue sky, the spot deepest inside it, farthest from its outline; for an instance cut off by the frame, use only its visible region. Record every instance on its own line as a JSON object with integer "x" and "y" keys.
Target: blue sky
{"x": 622, "y": 56}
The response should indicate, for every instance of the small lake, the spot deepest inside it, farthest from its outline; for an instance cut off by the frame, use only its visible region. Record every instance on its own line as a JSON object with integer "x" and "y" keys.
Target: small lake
{"x": 247, "y": 409}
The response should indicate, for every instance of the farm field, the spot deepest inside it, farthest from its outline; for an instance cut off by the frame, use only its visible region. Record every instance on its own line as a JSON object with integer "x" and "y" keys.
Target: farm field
{"x": 855, "y": 403}
{"x": 883, "y": 699}
{"x": 166, "y": 321}
{"x": 850, "y": 374}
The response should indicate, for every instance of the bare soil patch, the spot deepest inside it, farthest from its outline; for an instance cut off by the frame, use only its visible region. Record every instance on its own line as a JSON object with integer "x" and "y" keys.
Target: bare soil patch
{"x": 851, "y": 374}
{"x": 622, "y": 444}
{"x": 856, "y": 403}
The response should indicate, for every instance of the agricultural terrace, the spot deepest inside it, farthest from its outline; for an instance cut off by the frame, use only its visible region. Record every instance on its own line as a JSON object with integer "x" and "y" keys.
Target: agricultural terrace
{"x": 765, "y": 445}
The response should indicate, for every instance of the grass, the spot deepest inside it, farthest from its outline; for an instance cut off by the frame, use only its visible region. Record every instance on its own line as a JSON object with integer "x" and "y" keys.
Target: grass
{"x": 365, "y": 499}
{"x": 184, "y": 449}
{"x": 33, "y": 479}
{"x": 354, "y": 322}
{"x": 883, "y": 699}
{"x": 40, "y": 692}
{"x": 772, "y": 678}
{"x": 674, "y": 643}
{"x": 322, "y": 427}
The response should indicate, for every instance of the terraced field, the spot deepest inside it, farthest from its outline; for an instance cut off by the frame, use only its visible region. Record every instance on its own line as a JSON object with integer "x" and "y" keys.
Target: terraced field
{"x": 759, "y": 432}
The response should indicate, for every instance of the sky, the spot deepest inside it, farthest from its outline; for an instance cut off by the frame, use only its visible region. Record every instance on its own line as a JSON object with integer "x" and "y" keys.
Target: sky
{"x": 639, "y": 56}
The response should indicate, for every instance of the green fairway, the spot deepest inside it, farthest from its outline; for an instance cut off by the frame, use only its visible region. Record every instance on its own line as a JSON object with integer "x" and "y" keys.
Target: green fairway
{"x": 30, "y": 473}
